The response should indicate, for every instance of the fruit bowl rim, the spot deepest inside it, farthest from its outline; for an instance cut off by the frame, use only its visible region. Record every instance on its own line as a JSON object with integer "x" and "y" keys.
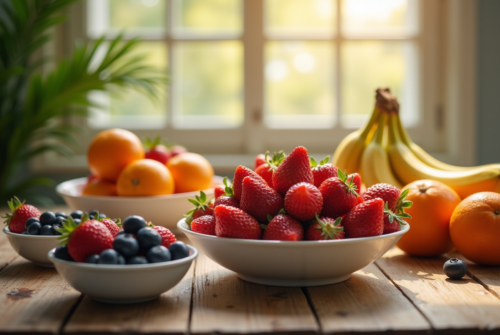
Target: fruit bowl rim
{"x": 182, "y": 225}
{"x": 7, "y": 231}
{"x": 112, "y": 267}
{"x": 60, "y": 192}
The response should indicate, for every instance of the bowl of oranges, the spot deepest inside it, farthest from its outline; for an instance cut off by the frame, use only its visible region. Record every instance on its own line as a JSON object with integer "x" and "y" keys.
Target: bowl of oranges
{"x": 127, "y": 179}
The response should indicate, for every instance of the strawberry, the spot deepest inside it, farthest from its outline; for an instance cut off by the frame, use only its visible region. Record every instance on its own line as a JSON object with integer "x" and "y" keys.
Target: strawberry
{"x": 266, "y": 172}
{"x": 366, "y": 219}
{"x": 20, "y": 213}
{"x": 339, "y": 196}
{"x": 228, "y": 197}
{"x": 240, "y": 173}
{"x": 167, "y": 237}
{"x": 89, "y": 238}
{"x": 235, "y": 223}
{"x": 114, "y": 227}
{"x": 204, "y": 225}
{"x": 303, "y": 201}
{"x": 325, "y": 228}
{"x": 360, "y": 199}
{"x": 356, "y": 179}
{"x": 392, "y": 221}
{"x": 219, "y": 190}
{"x": 386, "y": 192}
{"x": 177, "y": 149}
{"x": 202, "y": 207}
{"x": 260, "y": 200}
{"x": 294, "y": 169}
{"x": 259, "y": 160}
{"x": 156, "y": 150}
{"x": 283, "y": 228}
{"x": 322, "y": 171}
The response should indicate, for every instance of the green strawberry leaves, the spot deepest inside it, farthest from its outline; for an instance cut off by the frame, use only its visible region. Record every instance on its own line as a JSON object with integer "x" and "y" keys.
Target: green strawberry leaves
{"x": 276, "y": 160}
{"x": 329, "y": 231}
{"x": 68, "y": 227}
{"x": 349, "y": 184}
{"x": 402, "y": 202}
{"x": 228, "y": 188}
{"x": 201, "y": 203}
{"x": 14, "y": 205}
{"x": 321, "y": 162}
{"x": 399, "y": 217}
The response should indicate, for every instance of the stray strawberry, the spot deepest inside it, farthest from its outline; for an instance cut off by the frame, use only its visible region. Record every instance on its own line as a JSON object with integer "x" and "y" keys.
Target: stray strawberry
{"x": 114, "y": 227}
{"x": 167, "y": 237}
{"x": 156, "y": 150}
{"x": 259, "y": 160}
{"x": 204, "y": 225}
{"x": 240, "y": 173}
{"x": 339, "y": 195}
{"x": 91, "y": 237}
{"x": 202, "y": 207}
{"x": 235, "y": 223}
{"x": 283, "y": 228}
{"x": 228, "y": 197}
{"x": 396, "y": 200}
{"x": 393, "y": 221}
{"x": 260, "y": 200}
{"x": 294, "y": 169}
{"x": 322, "y": 171}
{"x": 303, "y": 201}
{"x": 356, "y": 179}
{"x": 366, "y": 219}
{"x": 325, "y": 228}
{"x": 20, "y": 213}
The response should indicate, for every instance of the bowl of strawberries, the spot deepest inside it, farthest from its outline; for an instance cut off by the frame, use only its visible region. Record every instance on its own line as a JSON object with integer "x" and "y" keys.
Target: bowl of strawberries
{"x": 301, "y": 225}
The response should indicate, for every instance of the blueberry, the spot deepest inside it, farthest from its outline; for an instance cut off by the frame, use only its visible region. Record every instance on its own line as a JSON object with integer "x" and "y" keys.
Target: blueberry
{"x": 121, "y": 232}
{"x": 93, "y": 213}
{"x": 148, "y": 238}
{"x": 77, "y": 221}
{"x": 121, "y": 260}
{"x": 59, "y": 220}
{"x": 133, "y": 223}
{"x": 47, "y": 230}
{"x": 34, "y": 228}
{"x": 158, "y": 254}
{"x": 76, "y": 214}
{"x": 62, "y": 214}
{"x": 138, "y": 260}
{"x": 455, "y": 268}
{"x": 24, "y": 233}
{"x": 126, "y": 245}
{"x": 102, "y": 216}
{"x": 30, "y": 221}
{"x": 178, "y": 250}
{"x": 108, "y": 256}
{"x": 61, "y": 252}
{"x": 47, "y": 218}
{"x": 93, "y": 259}
{"x": 57, "y": 226}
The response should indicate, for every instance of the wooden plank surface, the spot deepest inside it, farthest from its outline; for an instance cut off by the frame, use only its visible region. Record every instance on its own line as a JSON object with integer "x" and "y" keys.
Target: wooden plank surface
{"x": 223, "y": 303}
{"x": 368, "y": 302}
{"x": 7, "y": 254}
{"x": 449, "y": 305}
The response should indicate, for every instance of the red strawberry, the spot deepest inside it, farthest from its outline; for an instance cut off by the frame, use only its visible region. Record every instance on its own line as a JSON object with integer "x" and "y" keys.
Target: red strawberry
{"x": 235, "y": 223}
{"x": 266, "y": 172}
{"x": 260, "y": 200}
{"x": 283, "y": 228}
{"x": 339, "y": 196}
{"x": 293, "y": 170}
{"x": 203, "y": 206}
{"x": 392, "y": 221}
{"x": 113, "y": 227}
{"x": 20, "y": 213}
{"x": 204, "y": 225}
{"x": 360, "y": 199}
{"x": 167, "y": 237}
{"x": 89, "y": 238}
{"x": 219, "y": 190}
{"x": 240, "y": 173}
{"x": 259, "y": 160}
{"x": 157, "y": 151}
{"x": 322, "y": 171}
{"x": 227, "y": 201}
{"x": 325, "y": 228}
{"x": 356, "y": 179}
{"x": 366, "y": 219}
{"x": 303, "y": 201}
{"x": 386, "y": 192}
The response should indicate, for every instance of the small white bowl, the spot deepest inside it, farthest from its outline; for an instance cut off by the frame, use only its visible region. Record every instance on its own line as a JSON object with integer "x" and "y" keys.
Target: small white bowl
{"x": 123, "y": 284}
{"x": 33, "y": 247}
{"x": 285, "y": 263}
{"x": 163, "y": 210}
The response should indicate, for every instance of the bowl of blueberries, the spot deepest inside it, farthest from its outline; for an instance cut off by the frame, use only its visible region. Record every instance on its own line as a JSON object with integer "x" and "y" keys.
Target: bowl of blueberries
{"x": 112, "y": 266}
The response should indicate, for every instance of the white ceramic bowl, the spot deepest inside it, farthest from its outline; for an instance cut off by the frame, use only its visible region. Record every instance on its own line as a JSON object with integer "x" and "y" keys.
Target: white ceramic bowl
{"x": 32, "y": 247}
{"x": 284, "y": 263}
{"x": 123, "y": 284}
{"x": 163, "y": 210}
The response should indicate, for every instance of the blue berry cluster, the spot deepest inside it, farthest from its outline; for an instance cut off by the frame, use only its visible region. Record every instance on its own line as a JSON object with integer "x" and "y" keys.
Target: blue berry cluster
{"x": 46, "y": 225}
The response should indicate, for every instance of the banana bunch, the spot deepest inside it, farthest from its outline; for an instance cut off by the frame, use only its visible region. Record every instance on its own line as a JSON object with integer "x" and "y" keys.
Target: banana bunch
{"x": 382, "y": 152}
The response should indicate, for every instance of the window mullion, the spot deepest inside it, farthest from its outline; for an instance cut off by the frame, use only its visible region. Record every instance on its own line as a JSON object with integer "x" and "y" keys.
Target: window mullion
{"x": 171, "y": 63}
{"x": 338, "y": 65}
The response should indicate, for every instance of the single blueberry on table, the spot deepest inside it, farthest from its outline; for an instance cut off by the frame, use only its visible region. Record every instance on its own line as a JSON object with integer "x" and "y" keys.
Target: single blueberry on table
{"x": 62, "y": 214}
{"x": 48, "y": 218}
{"x": 93, "y": 259}
{"x": 126, "y": 245}
{"x": 108, "y": 256}
{"x": 178, "y": 250}
{"x": 61, "y": 252}
{"x": 158, "y": 254}
{"x": 133, "y": 223}
{"x": 30, "y": 221}
{"x": 47, "y": 230}
{"x": 455, "y": 268}
{"x": 76, "y": 214}
{"x": 34, "y": 228}
{"x": 148, "y": 238}
{"x": 138, "y": 260}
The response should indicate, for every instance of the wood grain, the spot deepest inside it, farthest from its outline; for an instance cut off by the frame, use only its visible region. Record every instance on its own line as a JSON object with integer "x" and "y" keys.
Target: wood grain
{"x": 223, "y": 303}
{"x": 449, "y": 305}
{"x": 7, "y": 254}
{"x": 367, "y": 302}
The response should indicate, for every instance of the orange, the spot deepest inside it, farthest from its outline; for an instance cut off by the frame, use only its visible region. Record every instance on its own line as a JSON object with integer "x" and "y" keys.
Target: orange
{"x": 433, "y": 205}
{"x": 475, "y": 228}
{"x": 99, "y": 187}
{"x": 145, "y": 177}
{"x": 191, "y": 172}
{"x": 111, "y": 151}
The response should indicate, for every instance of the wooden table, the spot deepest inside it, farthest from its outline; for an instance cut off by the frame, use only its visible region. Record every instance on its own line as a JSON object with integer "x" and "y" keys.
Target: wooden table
{"x": 397, "y": 295}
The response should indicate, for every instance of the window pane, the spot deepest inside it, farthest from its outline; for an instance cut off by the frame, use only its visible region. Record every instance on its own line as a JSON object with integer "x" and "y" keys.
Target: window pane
{"x": 208, "y": 81}
{"x": 368, "y": 65}
{"x": 207, "y": 17}
{"x": 379, "y": 16}
{"x": 299, "y": 85}
{"x": 134, "y": 16}
{"x": 128, "y": 108}
{"x": 300, "y": 17}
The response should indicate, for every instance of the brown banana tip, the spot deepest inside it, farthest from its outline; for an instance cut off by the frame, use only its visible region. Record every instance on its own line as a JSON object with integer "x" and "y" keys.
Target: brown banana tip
{"x": 386, "y": 101}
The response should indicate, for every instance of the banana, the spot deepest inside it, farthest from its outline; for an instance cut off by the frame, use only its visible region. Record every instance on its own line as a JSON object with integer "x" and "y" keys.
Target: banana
{"x": 375, "y": 165}
{"x": 347, "y": 156}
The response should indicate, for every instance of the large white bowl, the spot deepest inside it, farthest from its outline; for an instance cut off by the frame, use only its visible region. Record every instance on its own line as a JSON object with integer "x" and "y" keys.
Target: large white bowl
{"x": 33, "y": 247}
{"x": 123, "y": 284}
{"x": 163, "y": 210}
{"x": 284, "y": 263}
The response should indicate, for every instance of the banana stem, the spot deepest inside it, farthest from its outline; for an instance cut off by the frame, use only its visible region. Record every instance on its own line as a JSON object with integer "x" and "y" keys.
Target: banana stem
{"x": 379, "y": 134}
{"x": 373, "y": 120}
